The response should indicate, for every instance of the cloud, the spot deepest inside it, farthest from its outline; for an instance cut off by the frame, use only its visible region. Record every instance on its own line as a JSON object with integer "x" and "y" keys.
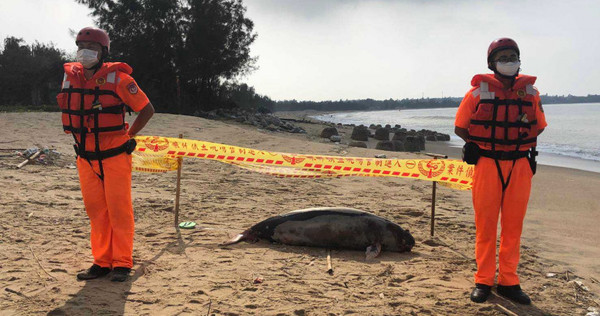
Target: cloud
{"x": 43, "y": 21}
{"x": 381, "y": 49}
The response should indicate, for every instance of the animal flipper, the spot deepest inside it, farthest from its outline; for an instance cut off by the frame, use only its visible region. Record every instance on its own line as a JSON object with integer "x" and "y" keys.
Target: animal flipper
{"x": 234, "y": 240}
{"x": 373, "y": 251}
{"x": 238, "y": 238}
{"x": 247, "y": 235}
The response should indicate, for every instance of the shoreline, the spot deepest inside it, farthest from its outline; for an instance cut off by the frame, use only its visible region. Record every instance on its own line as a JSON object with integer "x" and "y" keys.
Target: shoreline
{"x": 544, "y": 158}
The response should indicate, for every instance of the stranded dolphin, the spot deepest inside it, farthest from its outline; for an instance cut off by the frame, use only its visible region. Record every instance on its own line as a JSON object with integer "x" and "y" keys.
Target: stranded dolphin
{"x": 331, "y": 227}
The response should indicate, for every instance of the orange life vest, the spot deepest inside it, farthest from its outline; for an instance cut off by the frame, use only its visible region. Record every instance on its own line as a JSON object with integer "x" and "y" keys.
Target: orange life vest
{"x": 504, "y": 120}
{"x": 92, "y": 107}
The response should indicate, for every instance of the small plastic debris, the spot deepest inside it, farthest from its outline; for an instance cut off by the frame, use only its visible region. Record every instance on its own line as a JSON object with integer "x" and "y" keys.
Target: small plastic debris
{"x": 42, "y": 159}
{"x": 580, "y": 285}
{"x": 29, "y": 152}
{"x": 258, "y": 280}
{"x": 380, "y": 156}
{"x": 187, "y": 225}
{"x": 43, "y": 156}
{"x": 550, "y": 275}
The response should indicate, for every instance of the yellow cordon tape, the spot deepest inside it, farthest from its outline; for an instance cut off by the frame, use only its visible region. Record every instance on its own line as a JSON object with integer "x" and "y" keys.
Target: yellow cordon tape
{"x": 147, "y": 162}
{"x": 159, "y": 154}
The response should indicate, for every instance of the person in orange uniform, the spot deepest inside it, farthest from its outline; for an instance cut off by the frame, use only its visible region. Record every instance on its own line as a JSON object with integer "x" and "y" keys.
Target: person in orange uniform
{"x": 93, "y": 101}
{"x": 500, "y": 119}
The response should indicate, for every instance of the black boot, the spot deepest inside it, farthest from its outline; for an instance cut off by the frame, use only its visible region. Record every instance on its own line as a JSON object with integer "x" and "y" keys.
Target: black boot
{"x": 514, "y": 293}
{"x": 94, "y": 272}
{"x": 120, "y": 274}
{"x": 480, "y": 293}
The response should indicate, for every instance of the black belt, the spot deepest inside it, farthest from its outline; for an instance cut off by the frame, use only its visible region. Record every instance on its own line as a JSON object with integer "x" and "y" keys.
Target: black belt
{"x": 504, "y": 155}
{"x": 503, "y": 141}
{"x": 76, "y": 130}
{"x": 128, "y": 147}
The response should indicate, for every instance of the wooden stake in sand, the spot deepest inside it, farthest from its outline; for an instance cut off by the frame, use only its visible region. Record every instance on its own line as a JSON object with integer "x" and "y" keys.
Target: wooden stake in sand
{"x": 19, "y": 166}
{"x": 178, "y": 190}
{"x": 39, "y": 264}
{"x": 505, "y": 310}
{"x": 435, "y": 156}
{"x": 329, "y": 267}
{"x": 17, "y": 292}
{"x": 209, "y": 306}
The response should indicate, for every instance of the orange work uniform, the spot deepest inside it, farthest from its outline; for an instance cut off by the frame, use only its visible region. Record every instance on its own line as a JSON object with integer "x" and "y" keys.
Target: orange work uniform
{"x": 93, "y": 111}
{"x": 503, "y": 123}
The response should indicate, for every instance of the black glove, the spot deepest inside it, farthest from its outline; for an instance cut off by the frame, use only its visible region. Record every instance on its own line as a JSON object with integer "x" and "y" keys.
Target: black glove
{"x": 471, "y": 153}
{"x": 532, "y": 160}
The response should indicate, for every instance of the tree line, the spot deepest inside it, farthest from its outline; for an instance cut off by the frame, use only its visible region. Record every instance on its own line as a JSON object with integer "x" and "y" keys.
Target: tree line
{"x": 187, "y": 55}
{"x": 390, "y": 104}
{"x": 423, "y": 103}
{"x": 29, "y": 74}
{"x": 366, "y": 104}
{"x": 553, "y": 99}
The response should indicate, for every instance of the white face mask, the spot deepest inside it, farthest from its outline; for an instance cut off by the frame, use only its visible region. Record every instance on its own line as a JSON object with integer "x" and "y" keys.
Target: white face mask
{"x": 87, "y": 57}
{"x": 508, "y": 68}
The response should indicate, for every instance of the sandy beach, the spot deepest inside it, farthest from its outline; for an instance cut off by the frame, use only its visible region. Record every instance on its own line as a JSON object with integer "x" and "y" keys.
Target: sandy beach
{"x": 44, "y": 235}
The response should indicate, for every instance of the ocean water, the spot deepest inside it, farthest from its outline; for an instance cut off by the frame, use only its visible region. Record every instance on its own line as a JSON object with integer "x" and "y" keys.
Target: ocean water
{"x": 572, "y": 138}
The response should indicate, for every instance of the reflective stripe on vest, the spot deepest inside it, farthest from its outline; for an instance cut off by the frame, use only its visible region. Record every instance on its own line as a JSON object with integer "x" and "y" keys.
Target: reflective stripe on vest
{"x": 110, "y": 78}
{"x": 66, "y": 84}
{"x": 530, "y": 89}
{"x": 485, "y": 92}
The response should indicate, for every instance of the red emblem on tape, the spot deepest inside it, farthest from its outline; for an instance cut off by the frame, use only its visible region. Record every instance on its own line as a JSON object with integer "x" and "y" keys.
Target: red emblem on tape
{"x": 156, "y": 143}
{"x": 431, "y": 168}
{"x": 292, "y": 160}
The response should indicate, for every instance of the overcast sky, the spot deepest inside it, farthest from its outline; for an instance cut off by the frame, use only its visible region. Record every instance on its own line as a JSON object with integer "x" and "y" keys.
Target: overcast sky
{"x": 351, "y": 49}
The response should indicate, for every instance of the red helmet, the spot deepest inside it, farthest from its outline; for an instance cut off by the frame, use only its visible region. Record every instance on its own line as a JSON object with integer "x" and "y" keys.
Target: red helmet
{"x": 500, "y": 44}
{"x": 92, "y": 34}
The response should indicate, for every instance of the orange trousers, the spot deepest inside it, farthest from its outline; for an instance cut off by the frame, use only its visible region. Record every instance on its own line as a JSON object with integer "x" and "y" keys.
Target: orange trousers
{"x": 108, "y": 205}
{"x": 489, "y": 201}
